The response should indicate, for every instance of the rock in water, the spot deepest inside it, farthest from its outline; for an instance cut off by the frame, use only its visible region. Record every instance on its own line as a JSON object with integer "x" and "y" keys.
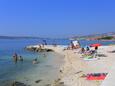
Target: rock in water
{"x": 18, "y": 84}
{"x": 38, "y": 81}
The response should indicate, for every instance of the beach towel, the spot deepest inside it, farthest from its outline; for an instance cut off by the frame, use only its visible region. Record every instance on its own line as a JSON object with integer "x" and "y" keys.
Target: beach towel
{"x": 91, "y": 59}
{"x": 96, "y": 76}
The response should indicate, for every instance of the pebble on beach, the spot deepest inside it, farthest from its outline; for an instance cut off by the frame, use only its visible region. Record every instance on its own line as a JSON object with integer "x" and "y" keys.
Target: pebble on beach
{"x": 61, "y": 71}
{"x": 48, "y": 85}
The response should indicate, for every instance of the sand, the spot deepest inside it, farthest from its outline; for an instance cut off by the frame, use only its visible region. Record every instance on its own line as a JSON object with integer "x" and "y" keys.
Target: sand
{"x": 74, "y": 67}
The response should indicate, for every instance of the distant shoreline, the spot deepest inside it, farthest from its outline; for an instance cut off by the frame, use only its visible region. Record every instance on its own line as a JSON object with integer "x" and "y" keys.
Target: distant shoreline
{"x": 17, "y": 37}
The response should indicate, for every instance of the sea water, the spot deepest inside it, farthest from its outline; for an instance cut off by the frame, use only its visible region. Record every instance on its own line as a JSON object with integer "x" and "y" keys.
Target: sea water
{"x": 46, "y": 71}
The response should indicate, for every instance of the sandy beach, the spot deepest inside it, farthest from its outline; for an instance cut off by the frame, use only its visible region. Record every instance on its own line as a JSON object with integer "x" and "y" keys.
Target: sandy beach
{"x": 74, "y": 67}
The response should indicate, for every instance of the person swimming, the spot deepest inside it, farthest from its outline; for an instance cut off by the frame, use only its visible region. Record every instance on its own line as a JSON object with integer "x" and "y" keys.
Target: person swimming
{"x": 35, "y": 61}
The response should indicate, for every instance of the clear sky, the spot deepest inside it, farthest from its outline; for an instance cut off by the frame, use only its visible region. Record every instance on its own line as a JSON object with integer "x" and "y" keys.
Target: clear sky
{"x": 56, "y": 18}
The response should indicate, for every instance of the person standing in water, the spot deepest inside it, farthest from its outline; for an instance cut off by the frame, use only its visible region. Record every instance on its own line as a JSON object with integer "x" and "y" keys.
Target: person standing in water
{"x": 15, "y": 57}
{"x": 44, "y": 41}
{"x": 20, "y": 58}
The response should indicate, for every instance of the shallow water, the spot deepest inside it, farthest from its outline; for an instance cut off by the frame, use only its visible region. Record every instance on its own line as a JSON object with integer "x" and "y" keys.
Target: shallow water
{"x": 46, "y": 71}
{"x": 25, "y": 71}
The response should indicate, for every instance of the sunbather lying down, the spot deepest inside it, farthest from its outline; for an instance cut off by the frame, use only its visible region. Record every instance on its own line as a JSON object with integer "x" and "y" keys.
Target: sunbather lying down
{"x": 101, "y": 55}
{"x": 94, "y": 76}
{"x": 112, "y": 51}
{"x": 91, "y": 52}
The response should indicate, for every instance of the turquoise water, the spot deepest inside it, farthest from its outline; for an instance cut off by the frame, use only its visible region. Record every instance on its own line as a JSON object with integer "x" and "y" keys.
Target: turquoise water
{"x": 26, "y": 71}
{"x": 23, "y": 71}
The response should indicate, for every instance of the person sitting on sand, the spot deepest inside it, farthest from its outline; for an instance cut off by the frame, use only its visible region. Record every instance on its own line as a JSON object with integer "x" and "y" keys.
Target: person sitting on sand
{"x": 96, "y": 48}
{"x": 72, "y": 45}
{"x": 87, "y": 48}
{"x": 82, "y": 50}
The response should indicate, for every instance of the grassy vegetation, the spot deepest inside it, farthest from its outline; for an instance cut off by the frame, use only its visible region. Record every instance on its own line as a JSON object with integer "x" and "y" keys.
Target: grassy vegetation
{"x": 107, "y": 38}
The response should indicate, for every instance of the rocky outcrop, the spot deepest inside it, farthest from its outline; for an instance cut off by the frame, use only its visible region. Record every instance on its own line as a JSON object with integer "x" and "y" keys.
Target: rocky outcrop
{"x": 37, "y": 49}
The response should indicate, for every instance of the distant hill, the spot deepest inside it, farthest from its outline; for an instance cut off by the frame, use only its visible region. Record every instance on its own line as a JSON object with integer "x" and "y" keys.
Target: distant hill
{"x": 18, "y": 37}
{"x": 94, "y": 36}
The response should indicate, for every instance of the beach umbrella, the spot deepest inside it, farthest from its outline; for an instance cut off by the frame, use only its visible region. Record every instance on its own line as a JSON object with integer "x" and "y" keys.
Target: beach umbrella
{"x": 95, "y": 45}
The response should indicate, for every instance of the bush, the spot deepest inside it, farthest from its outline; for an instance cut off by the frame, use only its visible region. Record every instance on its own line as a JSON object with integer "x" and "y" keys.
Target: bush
{"x": 107, "y": 38}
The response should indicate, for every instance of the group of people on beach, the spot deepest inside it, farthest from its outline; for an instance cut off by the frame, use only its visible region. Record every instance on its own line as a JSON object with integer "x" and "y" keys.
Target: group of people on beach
{"x": 87, "y": 49}
{"x": 17, "y": 58}
{"x": 73, "y": 45}
{"x": 89, "y": 53}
